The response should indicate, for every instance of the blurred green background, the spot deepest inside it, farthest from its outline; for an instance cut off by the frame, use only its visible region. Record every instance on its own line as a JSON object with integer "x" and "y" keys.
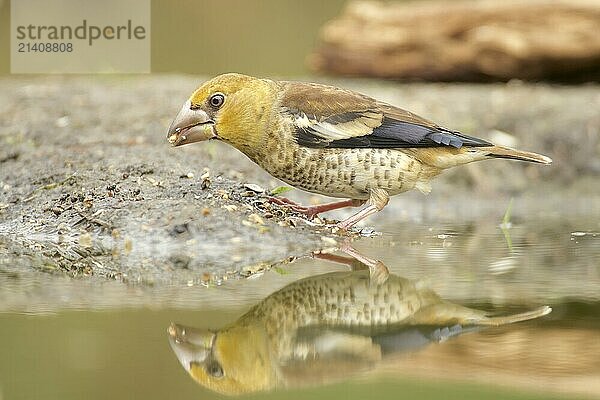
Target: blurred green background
{"x": 266, "y": 37}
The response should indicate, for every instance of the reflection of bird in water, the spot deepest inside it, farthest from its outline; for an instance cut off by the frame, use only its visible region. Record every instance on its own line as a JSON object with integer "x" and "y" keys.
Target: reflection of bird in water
{"x": 322, "y": 328}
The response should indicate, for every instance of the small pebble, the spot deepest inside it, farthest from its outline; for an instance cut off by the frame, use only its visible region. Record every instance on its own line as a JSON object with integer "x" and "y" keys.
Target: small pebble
{"x": 329, "y": 241}
{"x": 62, "y": 122}
{"x": 255, "y": 218}
{"x": 128, "y": 246}
{"x": 253, "y": 187}
{"x": 85, "y": 240}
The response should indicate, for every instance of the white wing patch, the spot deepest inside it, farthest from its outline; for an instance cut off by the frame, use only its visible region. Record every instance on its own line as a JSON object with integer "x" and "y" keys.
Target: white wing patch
{"x": 330, "y": 131}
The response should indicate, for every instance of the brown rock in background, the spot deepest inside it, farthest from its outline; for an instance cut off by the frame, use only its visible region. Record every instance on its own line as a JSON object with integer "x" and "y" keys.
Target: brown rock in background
{"x": 463, "y": 41}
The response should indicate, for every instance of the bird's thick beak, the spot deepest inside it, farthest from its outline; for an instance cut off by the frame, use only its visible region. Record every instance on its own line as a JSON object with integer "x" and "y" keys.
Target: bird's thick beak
{"x": 190, "y": 345}
{"x": 190, "y": 126}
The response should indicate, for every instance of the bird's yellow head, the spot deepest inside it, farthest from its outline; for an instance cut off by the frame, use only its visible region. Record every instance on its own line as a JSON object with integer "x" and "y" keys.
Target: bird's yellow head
{"x": 230, "y": 107}
{"x": 232, "y": 361}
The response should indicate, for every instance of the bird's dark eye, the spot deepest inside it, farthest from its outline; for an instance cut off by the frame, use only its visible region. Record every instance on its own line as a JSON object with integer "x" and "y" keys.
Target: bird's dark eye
{"x": 217, "y": 100}
{"x": 214, "y": 370}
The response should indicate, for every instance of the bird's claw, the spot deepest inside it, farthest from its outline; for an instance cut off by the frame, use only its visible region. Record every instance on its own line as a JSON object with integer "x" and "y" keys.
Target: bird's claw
{"x": 292, "y": 205}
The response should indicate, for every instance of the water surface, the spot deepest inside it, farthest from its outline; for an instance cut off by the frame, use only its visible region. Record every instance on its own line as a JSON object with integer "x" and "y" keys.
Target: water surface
{"x": 65, "y": 338}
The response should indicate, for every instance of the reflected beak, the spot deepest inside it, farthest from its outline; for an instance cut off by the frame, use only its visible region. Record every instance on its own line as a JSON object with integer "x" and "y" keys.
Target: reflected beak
{"x": 190, "y": 345}
{"x": 190, "y": 126}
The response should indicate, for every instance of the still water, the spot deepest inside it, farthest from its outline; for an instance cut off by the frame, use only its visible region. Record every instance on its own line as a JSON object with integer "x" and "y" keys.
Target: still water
{"x": 452, "y": 310}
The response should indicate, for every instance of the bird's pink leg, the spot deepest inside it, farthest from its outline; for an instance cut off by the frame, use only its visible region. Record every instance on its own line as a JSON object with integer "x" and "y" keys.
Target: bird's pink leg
{"x": 378, "y": 272}
{"x": 311, "y": 211}
{"x": 377, "y": 201}
{"x": 349, "y": 261}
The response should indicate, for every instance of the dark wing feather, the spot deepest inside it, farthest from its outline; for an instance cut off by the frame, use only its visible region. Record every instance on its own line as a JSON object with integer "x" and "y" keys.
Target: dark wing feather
{"x": 397, "y": 134}
{"x": 325, "y": 116}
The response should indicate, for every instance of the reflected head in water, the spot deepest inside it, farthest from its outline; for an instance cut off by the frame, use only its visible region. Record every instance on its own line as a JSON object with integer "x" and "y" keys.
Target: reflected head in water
{"x": 232, "y": 361}
{"x": 323, "y": 328}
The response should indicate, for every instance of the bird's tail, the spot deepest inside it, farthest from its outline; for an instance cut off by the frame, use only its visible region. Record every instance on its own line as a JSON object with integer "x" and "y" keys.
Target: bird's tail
{"x": 511, "y": 319}
{"x": 507, "y": 152}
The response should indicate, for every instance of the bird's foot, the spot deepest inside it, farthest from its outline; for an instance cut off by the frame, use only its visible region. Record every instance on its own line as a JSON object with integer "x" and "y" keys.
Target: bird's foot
{"x": 354, "y": 219}
{"x": 312, "y": 211}
{"x": 292, "y": 205}
{"x": 282, "y": 201}
{"x": 378, "y": 272}
{"x": 377, "y": 201}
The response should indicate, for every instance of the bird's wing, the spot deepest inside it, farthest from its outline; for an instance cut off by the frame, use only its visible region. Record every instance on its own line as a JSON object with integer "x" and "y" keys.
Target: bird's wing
{"x": 326, "y": 116}
{"x": 325, "y": 355}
